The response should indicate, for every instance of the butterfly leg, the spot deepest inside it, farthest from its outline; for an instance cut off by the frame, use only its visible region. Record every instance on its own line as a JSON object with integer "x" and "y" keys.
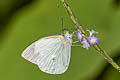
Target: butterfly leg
{"x": 78, "y": 45}
{"x": 75, "y": 42}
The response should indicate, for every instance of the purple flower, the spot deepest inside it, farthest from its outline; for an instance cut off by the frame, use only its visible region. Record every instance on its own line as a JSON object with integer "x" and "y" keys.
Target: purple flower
{"x": 93, "y": 40}
{"x": 82, "y": 39}
{"x": 92, "y": 32}
{"x": 79, "y": 35}
{"x": 85, "y": 44}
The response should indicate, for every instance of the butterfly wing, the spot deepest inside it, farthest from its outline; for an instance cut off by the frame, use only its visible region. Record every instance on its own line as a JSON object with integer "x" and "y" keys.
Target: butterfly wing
{"x": 51, "y": 54}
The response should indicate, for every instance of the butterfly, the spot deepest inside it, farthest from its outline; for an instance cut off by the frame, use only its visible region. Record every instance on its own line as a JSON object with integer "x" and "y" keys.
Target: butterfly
{"x": 51, "y": 54}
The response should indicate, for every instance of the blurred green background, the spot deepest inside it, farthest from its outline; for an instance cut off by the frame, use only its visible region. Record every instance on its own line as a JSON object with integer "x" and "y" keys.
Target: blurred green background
{"x": 24, "y": 21}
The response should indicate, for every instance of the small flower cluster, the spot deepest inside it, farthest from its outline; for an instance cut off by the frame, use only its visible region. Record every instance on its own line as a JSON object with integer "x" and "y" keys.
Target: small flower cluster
{"x": 91, "y": 40}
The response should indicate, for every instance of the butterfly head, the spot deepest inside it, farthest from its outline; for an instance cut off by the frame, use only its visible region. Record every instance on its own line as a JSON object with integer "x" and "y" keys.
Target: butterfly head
{"x": 67, "y": 36}
{"x": 66, "y": 33}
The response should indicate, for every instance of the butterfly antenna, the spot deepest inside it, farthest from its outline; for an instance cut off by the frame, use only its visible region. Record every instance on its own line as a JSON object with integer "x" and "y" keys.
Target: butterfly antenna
{"x": 62, "y": 24}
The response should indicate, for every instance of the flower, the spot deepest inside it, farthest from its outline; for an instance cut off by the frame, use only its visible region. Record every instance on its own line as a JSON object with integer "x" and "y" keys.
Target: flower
{"x": 92, "y": 32}
{"x": 79, "y": 35}
{"x": 82, "y": 39}
{"x": 93, "y": 40}
{"x": 85, "y": 44}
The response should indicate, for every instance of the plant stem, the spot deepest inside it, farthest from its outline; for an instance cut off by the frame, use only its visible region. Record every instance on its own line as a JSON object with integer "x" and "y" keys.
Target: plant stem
{"x": 97, "y": 47}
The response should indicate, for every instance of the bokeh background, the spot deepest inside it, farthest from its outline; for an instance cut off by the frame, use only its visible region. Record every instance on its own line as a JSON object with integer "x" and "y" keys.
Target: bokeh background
{"x": 24, "y": 21}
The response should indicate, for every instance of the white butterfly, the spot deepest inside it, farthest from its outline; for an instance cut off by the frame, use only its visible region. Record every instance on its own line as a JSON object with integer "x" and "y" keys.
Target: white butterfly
{"x": 51, "y": 54}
